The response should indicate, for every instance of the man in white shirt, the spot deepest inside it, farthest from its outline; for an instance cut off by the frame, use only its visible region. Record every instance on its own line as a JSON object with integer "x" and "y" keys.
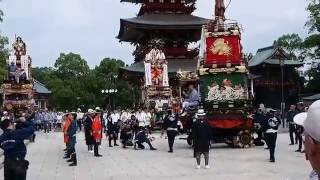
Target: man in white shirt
{"x": 59, "y": 119}
{"x": 125, "y": 116}
{"x": 79, "y": 118}
{"x": 142, "y": 117}
{"x": 115, "y": 117}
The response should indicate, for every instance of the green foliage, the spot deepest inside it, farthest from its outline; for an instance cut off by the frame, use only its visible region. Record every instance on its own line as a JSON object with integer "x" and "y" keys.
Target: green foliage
{"x": 3, "y": 52}
{"x": 314, "y": 18}
{"x": 74, "y": 84}
{"x": 312, "y": 42}
{"x": 71, "y": 66}
{"x": 291, "y": 43}
{"x": 313, "y": 85}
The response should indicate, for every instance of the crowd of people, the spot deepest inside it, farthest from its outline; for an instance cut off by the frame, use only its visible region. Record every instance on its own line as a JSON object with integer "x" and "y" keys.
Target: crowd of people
{"x": 267, "y": 126}
{"x": 134, "y": 129}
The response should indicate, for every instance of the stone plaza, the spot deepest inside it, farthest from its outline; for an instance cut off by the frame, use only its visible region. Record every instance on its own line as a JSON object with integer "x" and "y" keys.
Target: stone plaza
{"x": 46, "y": 162}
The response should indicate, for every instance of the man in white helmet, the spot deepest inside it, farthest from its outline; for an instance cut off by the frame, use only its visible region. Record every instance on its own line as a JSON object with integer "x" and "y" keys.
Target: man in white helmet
{"x": 311, "y": 123}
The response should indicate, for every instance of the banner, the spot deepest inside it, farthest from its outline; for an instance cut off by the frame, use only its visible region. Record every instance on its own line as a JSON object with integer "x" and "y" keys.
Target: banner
{"x": 222, "y": 50}
{"x": 223, "y": 87}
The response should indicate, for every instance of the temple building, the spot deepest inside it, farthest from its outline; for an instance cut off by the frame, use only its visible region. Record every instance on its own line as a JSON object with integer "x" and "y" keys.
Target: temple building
{"x": 168, "y": 20}
{"x": 266, "y": 66}
{"x": 41, "y": 95}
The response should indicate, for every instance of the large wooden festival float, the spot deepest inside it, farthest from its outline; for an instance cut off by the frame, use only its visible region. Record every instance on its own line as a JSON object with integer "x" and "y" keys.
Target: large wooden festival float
{"x": 17, "y": 91}
{"x": 157, "y": 92}
{"x": 223, "y": 75}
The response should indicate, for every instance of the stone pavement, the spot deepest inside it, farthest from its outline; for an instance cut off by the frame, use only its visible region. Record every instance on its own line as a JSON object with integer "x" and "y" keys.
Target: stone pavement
{"x": 46, "y": 161}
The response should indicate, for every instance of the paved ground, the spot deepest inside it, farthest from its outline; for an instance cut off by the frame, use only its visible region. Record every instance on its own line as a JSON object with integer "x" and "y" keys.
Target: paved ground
{"x": 121, "y": 164}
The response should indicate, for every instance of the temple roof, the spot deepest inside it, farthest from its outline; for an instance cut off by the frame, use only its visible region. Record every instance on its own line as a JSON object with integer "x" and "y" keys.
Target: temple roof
{"x": 40, "y": 88}
{"x": 174, "y": 65}
{"x": 132, "y": 28}
{"x": 272, "y": 55}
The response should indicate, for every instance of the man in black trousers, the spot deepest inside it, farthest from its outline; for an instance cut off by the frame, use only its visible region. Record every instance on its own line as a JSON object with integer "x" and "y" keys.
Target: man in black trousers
{"x": 271, "y": 133}
{"x": 171, "y": 125}
{"x": 292, "y": 112}
{"x": 202, "y": 135}
{"x": 11, "y": 141}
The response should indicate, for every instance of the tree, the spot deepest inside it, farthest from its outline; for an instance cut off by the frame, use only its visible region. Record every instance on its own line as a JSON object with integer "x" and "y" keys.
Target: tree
{"x": 73, "y": 84}
{"x": 312, "y": 42}
{"x": 71, "y": 66}
{"x": 314, "y": 18}
{"x": 3, "y": 52}
{"x": 291, "y": 43}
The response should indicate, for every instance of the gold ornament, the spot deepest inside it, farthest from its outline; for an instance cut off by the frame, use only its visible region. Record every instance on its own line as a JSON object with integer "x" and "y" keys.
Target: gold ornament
{"x": 220, "y": 47}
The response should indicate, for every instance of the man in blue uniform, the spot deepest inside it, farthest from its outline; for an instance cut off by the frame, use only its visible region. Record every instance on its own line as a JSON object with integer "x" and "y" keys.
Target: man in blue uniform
{"x": 11, "y": 141}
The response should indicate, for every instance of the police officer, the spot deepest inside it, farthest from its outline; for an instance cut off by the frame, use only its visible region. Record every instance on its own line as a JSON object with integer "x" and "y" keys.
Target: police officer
{"x": 11, "y": 141}
{"x": 171, "y": 125}
{"x": 270, "y": 135}
{"x": 291, "y": 113}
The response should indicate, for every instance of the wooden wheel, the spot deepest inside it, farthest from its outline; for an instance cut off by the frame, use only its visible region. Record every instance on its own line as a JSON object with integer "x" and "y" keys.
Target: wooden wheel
{"x": 244, "y": 139}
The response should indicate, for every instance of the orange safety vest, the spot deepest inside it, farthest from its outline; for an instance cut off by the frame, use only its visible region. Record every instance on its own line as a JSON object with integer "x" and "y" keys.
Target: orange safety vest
{"x": 96, "y": 128}
{"x": 65, "y": 128}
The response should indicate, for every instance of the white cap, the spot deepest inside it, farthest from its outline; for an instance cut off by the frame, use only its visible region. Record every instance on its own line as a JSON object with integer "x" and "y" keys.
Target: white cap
{"x": 200, "y": 113}
{"x": 97, "y": 108}
{"x": 90, "y": 111}
{"x": 310, "y": 120}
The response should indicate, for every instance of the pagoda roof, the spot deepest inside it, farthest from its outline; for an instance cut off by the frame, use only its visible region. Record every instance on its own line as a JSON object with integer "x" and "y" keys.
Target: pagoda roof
{"x": 272, "y": 55}
{"x": 131, "y": 28}
{"x": 174, "y": 65}
{"x": 142, "y": 1}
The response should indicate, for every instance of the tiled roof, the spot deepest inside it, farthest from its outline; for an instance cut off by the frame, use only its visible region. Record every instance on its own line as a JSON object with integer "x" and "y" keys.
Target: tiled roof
{"x": 265, "y": 55}
{"x": 40, "y": 88}
{"x": 132, "y": 28}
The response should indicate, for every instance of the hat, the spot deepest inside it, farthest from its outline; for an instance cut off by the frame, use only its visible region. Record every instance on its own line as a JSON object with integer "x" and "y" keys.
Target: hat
{"x": 271, "y": 110}
{"x": 78, "y": 109}
{"x": 310, "y": 120}
{"x": 200, "y": 113}
{"x": 90, "y": 111}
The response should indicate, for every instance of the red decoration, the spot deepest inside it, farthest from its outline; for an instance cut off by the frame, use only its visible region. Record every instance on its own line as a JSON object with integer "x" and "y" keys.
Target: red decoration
{"x": 224, "y": 49}
{"x": 230, "y": 123}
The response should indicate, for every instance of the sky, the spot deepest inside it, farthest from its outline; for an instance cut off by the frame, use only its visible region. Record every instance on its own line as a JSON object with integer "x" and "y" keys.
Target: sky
{"x": 90, "y": 27}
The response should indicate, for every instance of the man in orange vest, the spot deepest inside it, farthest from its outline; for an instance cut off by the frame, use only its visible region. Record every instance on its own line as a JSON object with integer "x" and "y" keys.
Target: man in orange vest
{"x": 65, "y": 128}
{"x": 97, "y": 133}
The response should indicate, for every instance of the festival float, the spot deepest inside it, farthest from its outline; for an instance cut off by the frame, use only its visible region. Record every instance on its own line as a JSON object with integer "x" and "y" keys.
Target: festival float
{"x": 18, "y": 86}
{"x": 157, "y": 92}
{"x": 223, "y": 81}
